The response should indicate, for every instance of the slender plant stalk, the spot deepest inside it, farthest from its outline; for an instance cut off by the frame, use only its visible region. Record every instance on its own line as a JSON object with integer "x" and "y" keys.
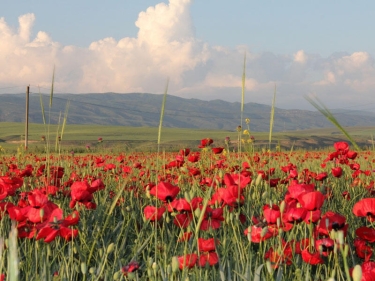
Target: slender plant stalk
{"x": 53, "y": 82}
{"x": 272, "y": 118}
{"x": 157, "y": 159}
{"x": 325, "y": 111}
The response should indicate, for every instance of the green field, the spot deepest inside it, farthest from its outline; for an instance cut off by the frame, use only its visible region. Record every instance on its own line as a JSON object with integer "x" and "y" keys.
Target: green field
{"x": 77, "y": 137}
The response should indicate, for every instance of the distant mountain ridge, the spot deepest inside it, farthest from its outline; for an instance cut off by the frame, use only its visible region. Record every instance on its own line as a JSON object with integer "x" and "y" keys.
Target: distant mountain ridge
{"x": 141, "y": 109}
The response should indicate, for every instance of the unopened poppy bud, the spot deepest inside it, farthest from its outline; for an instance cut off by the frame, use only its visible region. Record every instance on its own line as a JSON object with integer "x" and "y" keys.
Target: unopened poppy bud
{"x": 187, "y": 196}
{"x": 231, "y": 217}
{"x": 340, "y": 237}
{"x": 149, "y": 273}
{"x": 259, "y": 178}
{"x": 169, "y": 269}
{"x": 150, "y": 261}
{"x": 197, "y": 212}
{"x": 117, "y": 275}
{"x": 92, "y": 270}
{"x": 278, "y": 221}
{"x": 282, "y": 206}
{"x": 155, "y": 266}
{"x": 264, "y": 232}
{"x": 167, "y": 219}
{"x": 264, "y": 195}
{"x": 110, "y": 248}
{"x": 83, "y": 268}
{"x": 175, "y": 264}
{"x": 249, "y": 234}
{"x": 357, "y": 273}
{"x": 41, "y": 213}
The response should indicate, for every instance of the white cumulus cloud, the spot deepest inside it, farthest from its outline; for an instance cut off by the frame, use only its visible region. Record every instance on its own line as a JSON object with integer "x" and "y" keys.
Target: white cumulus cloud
{"x": 166, "y": 47}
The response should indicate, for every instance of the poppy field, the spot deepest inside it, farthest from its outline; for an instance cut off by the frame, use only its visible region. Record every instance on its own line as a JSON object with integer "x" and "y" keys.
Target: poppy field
{"x": 200, "y": 213}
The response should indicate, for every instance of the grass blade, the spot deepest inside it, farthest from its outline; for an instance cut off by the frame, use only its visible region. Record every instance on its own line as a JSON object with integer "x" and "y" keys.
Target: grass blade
{"x": 42, "y": 107}
{"x": 53, "y": 82}
{"x": 162, "y": 113}
{"x": 325, "y": 111}
{"x": 272, "y": 118}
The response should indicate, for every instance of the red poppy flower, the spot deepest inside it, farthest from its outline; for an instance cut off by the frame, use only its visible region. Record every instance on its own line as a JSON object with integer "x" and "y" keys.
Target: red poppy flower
{"x": 185, "y": 151}
{"x": 183, "y": 220}
{"x": 336, "y": 172}
{"x": 277, "y": 257}
{"x": 365, "y": 208}
{"x": 259, "y": 233}
{"x": 210, "y": 258}
{"x": 212, "y": 218}
{"x": 331, "y": 220}
{"x": 294, "y": 214}
{"x": 194, "y": 157}
{"x": 271, "y": 214}
{"x": 57, "y": 226}
{"x": 362, "y": 250}
{"x": 325, "y": 246}
{"x": 165, "y": 191}
{"x": 236, "y": 179}
{"x": 368, "y": 271}
{"x": 341, "y": 147}
{"x": 205, "y": 142}
{"x": 351, "y": 154}
{"x": 152, "y": 213}
{"x": 311, "y": 258}
{"x": 187, "y": 261}
{"x": 366, "y": 233}
{"x": 206, "y": 245}
{"x": 39, "y": 208}
{"x": 295, "y": 190}
{"x": 321, "y": 176}
{"x": 312, "y": 200}
{"x": 130, "y": 267}
{"x": 217, "y": 150}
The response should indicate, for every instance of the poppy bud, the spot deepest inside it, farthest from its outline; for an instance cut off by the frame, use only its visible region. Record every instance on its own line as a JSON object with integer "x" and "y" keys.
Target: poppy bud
{"x": 92, "y": 270}
{"x": 175, "y": 264}
{"x": 110, "y": 248}
{"x": 83, "y": 268}
{"x": 282, "y": 206}
{"x": 264, "y": 232}
{"x": 117, "y": 275}
{"x": 357, "y": 273}
{"x": 41, "y": 213}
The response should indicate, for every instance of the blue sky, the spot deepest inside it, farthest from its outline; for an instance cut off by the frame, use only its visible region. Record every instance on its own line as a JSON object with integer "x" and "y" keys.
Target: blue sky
{"x": 322, "y": 48}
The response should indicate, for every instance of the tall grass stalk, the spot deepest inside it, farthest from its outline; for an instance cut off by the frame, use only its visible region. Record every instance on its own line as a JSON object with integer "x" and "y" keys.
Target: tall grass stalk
{"x": 325, "y": 111}
{"x": 242, "y": 105}
{"x": 272, "y": 117}
{"x": 157, "y": 158}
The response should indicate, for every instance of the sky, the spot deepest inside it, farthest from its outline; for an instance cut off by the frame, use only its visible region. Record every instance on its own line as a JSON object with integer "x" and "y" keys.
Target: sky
{"x": 323, "y": 49}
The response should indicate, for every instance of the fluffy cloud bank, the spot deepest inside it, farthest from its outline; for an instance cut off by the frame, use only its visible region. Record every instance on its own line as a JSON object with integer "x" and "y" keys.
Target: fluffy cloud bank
{"x": 166, "y": 47}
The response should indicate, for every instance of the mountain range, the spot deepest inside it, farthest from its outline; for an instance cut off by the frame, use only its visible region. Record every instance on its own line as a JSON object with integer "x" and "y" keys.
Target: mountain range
{"x": 142, "y": 109}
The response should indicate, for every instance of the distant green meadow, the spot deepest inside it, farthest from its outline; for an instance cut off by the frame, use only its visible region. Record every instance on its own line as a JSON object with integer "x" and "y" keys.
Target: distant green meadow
{"x": 78, "y": 137}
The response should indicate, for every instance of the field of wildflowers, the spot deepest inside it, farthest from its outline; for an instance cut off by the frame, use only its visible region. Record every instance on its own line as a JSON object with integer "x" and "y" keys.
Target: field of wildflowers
{"x": 205, "y": 213}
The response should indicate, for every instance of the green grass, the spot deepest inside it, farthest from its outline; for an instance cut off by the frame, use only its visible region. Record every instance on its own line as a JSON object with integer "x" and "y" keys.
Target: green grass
{"x": 145, "y": 138}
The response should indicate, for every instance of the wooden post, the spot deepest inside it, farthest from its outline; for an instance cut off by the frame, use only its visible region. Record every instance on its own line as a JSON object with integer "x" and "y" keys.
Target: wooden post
{"x": 27, "y": 117}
